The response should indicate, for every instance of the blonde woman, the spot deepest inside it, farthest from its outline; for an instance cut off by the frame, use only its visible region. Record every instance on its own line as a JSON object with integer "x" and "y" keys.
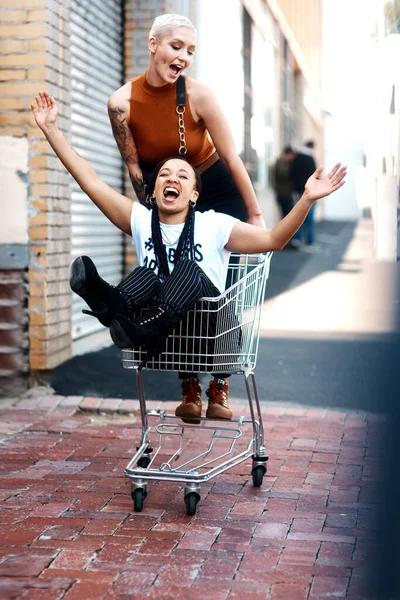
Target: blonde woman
{"x": 145, "y": 125}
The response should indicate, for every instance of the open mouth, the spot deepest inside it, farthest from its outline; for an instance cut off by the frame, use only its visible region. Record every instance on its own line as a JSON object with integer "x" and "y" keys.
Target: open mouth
{"x": 176, "y": 69}
{"x": 170, "y": 193}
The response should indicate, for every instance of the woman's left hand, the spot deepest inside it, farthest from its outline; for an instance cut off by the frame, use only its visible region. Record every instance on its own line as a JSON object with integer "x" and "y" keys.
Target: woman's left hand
{"x": 45, "y": 110}
{"x": 319, "y": 188}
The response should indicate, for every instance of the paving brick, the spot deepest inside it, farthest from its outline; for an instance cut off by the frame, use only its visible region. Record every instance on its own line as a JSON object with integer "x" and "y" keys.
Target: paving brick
{"x": 71, "y": 401}
{"x": 163, "y": 547}
{"x": 61, "y": 532}
{"x": 140, "y": 582}
{"x": 266, "y": 558}
{"x": 307, "y": 525}
{"x": 197, "y": 541}
{"x": 285, "y": 591}
{"x": 116, "y": 552}
{"x": 79, "y": 574}
{"x": 178, "y": 593}
{"x": 97, "y": 527}
{"x": 272, "y": 530}
{"x": 249, "y": 595}
{"x": 87, "y": 589}
{"x": 343, "y": 519}
{"x": 248, "y": 508}
{"x": 16, "y": 566}
{"x": 90, "y": 404}
{"x": 295, "y": 556}
{"x": 42, "y": 594}
{"x": 220, "y": 568}
{"x": 170, "y": 574}
{"x": 72, "y": 559}
{"x": 335, "y": 587}
{"x": 128, "y": 406}
{"x": 109, "y": 405}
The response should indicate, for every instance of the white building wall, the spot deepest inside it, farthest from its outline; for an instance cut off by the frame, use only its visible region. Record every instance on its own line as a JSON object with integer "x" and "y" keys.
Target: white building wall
{"x": 342, "y": 146}
{"x": 219, "y": 64}
{"x": 14, "y": 190}
{"x": 218, "y": 61}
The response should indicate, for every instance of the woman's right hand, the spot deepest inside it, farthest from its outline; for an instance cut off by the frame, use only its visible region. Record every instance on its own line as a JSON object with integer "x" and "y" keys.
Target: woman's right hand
{"x": 45, "y": 111}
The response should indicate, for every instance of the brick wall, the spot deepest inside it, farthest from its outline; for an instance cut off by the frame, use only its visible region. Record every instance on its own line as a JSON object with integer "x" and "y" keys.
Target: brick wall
{"x": 13, "y": 326}
{"x": 34, "y": 53}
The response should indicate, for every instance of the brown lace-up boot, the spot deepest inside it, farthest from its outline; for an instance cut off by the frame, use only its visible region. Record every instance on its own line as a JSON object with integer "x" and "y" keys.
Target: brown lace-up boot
{"x": 190, "y": 408}
{"x": 218, "y": 404}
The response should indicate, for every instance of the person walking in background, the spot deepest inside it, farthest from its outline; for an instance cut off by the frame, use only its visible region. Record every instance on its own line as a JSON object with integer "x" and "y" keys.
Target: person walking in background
{"x": 303, "y": 166}
{"x": 281, "y": 180}
{"x": 147, "y": 128}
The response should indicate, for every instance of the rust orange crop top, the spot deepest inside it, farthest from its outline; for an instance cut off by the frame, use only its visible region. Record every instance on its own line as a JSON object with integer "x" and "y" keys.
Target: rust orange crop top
{"x": 154, "y": 125}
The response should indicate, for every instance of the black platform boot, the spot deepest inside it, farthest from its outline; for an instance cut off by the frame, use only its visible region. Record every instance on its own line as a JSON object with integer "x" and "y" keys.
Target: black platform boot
{"x": 105, "y": 300}
{"x": 150, "y": 330}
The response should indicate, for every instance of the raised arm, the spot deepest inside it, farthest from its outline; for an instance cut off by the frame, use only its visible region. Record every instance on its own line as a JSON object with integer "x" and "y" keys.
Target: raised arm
{"x": 116, "y": 207}
{"x": 207, "y": 108}
{"x": 118, "y": 111}
{"x": 247, "y": 239}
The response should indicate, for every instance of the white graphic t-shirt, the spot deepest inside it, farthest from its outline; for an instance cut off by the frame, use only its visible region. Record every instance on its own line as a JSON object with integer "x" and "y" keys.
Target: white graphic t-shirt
{"x": 211, "y": 234}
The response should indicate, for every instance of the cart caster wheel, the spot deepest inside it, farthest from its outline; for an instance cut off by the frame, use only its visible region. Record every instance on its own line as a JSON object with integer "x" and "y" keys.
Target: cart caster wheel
{"x": 191, "y": 500}
{"x": 143, "y": 462}
{"x": 138, "y": 496}
{"x": 257, "y": 474}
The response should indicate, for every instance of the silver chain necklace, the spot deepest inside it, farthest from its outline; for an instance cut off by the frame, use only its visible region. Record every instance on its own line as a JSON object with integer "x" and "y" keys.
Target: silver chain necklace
{"x": 166, "y": 243}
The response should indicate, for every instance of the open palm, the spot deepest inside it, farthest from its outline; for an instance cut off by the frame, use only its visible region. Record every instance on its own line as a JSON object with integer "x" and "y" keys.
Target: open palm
{"x": 319, "y": 188}
{"x": 45, "y": 110}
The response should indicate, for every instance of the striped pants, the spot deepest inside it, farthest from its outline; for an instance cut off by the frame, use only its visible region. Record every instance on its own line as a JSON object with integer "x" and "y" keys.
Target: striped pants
{"x": 181, "y": 290}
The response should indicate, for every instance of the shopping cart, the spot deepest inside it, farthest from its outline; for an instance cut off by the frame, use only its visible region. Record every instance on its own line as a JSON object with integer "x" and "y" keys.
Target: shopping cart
{"x": 220, "y": 335}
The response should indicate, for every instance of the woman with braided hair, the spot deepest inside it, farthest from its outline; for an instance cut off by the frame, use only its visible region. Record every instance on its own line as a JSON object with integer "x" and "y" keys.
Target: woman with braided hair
{"x": 182, "y": 255}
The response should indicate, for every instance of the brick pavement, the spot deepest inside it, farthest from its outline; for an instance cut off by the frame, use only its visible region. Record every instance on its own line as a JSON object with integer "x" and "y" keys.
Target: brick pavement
{"x": 68, "y": 530}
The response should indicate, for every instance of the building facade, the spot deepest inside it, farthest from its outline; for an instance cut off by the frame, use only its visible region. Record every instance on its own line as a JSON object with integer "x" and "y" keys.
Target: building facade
{"x": 265, "y": 73}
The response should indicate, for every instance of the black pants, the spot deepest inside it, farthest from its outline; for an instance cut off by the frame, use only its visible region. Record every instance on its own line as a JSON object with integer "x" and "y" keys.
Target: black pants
{"x": 285, "y": 203}
{"x": 182, "y": 289}
{"x": 219, "y": 193}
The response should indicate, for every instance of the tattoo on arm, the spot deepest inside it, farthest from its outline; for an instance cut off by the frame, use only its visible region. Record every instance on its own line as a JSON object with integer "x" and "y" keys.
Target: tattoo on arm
{"x": 138, "y": 186}
{"x": 123, "y": 136}
{"x": 127, "y": 148}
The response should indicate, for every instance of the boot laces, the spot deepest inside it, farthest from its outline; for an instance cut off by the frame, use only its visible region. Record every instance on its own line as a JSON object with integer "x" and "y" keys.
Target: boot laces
{"x": 218, "y": 392}
{"x": 191, "y": 390}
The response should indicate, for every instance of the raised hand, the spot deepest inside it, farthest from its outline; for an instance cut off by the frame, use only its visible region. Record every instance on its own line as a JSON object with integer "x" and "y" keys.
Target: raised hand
{"x": 319, "y": 188}
{"x": 45, "y": 111}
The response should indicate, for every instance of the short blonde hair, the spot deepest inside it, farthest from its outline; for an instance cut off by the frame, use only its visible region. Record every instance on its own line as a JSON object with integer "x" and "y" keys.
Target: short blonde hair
{"x": 164, "y": 23}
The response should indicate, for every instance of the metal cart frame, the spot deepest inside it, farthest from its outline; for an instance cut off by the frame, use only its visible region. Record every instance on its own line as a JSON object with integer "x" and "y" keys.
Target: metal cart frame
{"x": 220, "y": 335}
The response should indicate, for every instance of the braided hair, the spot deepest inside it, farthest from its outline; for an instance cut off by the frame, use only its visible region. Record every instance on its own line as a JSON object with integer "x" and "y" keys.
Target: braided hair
{"x": 185, "y": 247}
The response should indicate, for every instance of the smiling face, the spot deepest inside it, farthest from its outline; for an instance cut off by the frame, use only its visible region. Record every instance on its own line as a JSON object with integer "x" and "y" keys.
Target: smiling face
{"x": 175, "y": 186}
{"x": 172, "y": 53}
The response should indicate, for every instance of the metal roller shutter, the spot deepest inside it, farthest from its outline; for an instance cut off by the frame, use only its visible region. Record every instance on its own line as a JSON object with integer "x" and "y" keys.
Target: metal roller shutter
{"x": 97, "y": 71}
